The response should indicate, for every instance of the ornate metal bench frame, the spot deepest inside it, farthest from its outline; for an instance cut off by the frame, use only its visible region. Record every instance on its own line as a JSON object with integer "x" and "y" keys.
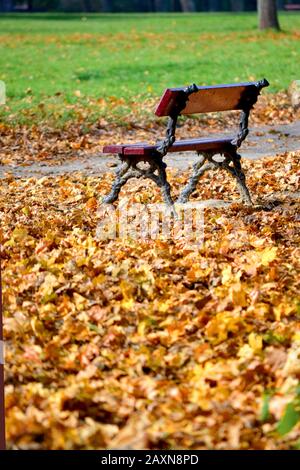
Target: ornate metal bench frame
{"x": 156, "y": 169}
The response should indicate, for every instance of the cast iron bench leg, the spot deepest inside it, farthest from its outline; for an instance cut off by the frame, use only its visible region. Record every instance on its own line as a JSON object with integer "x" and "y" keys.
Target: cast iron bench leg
{"x": 121, "y": 179}
{"x": 163, "y": 182}
{"x": 129, "y": 169}
{"x": 238, "y": 174}
{"x": 199, "y": 168}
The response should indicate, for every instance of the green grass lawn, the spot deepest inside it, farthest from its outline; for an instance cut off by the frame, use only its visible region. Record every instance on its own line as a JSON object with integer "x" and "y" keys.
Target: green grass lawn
{"x": 56, "y": 64}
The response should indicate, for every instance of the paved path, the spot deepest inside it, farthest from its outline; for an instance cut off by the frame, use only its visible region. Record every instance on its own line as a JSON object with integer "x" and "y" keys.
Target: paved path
{"x": 262, "y": 142}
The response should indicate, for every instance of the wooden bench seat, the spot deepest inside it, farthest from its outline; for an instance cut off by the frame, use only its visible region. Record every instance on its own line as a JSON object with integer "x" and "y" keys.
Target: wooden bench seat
{"x": 190, "y": 100}
{"x": 178, "y": 146}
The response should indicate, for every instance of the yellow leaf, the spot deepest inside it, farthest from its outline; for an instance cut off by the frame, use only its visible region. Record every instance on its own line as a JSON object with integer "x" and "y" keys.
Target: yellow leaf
{"x": 164, "y": 307}
{"x": 268, "y": 255}
{"x": 50, "y": 282}
{"x": 296, "y": 337}
{"x": 79, "y": 301}
{"x": 127, "y": 304}
{"x": 283, "y": 310}
{"x": 142, "y": 328}
{"x": 238, "y": 295}
{"x": 245, "y": 352}
{"x": 127, "y": 289}
{"x": 92, "y": 204}
{"x": 226, "y": 274}
{"x": 255, "y": 341}
{"x": 223, "y": 324}
{"x": 26, "y": 211}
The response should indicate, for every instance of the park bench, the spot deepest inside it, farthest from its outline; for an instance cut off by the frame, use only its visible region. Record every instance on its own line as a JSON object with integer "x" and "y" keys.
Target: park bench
{"x": 146, "y": 161}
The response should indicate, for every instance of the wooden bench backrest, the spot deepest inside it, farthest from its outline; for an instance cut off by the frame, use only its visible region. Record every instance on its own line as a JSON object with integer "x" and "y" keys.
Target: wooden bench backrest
{"x": 209, "y": 99}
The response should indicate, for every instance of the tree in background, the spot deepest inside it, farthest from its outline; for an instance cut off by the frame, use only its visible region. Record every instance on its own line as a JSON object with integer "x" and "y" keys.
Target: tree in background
{"x": 267, "y": 14}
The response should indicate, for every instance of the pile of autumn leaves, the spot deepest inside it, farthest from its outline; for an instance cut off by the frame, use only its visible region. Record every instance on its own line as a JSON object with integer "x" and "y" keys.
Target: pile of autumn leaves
{"x": 152, "y": 344}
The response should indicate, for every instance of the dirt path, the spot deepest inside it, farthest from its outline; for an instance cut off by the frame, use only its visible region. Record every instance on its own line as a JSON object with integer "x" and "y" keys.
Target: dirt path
{"x": 262, "y": 142}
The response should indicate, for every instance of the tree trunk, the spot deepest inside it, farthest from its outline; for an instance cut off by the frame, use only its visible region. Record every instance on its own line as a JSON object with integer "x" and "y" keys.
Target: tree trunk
{"x": 188, "y": 5}
{"x": 267, "y": 14}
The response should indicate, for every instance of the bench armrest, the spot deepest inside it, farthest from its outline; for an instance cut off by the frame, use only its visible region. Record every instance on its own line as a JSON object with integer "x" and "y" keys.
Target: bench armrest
{"x": 244, "y": 119}
{"x": 170, "y": 137}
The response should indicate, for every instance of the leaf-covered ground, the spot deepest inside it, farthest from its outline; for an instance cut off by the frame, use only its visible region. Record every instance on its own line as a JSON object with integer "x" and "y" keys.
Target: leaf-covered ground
{"x": 23, "y": 144}
{"x": 151, "y": 343}
{"x": 148, "y": 343}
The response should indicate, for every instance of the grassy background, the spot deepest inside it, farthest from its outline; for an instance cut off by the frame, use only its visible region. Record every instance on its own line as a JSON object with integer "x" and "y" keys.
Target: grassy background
{"x": 59, "y": 67}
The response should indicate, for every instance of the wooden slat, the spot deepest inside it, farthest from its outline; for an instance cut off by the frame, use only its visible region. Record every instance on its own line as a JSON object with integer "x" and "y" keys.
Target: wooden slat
{"x": 179, "y": 146}
{"x": 113, "y": 148}
{"x": 119, "y": 148}
{"x": 207, "y": 99}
